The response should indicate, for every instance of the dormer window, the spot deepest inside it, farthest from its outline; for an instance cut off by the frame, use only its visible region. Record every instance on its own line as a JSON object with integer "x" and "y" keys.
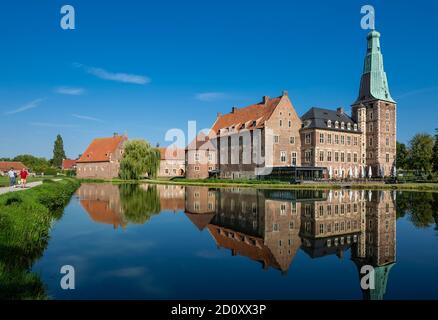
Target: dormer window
{"x": 355, "y": 127}
{"x": 342, "y": 125}
{"x": 329, "y": 123}
{"x": 337, "y": 124}
{"x": 349, "y": 126}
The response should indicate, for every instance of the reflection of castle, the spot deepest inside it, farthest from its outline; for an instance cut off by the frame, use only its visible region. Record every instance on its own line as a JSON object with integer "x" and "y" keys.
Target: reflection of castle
{"x": 109, "y": 204}
{"x": 270, "y": 226}
{"x": 102, "y": 203}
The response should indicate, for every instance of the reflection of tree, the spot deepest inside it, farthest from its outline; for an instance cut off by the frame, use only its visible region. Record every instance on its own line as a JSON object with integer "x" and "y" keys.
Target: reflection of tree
{"x": 421, "y": 206}
{"x": 138, "y": 204}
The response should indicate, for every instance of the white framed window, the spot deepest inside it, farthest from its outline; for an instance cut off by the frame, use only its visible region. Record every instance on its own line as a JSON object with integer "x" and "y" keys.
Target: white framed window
{"x": 308, "y": 138}
{"x": 283, "y": 156}
{"x": 308, "y": 155}
{"x": 329, "y": 156}
{"x": 336, "y": 139}
{"x": 337, "y": 124}
{"x": 197, "y": 156}
{"x": 342, "y": 125}
{"x": 294, "y": 158}
{"x": 348, "y": 126}
{"x": 321, "y": 156}
{"x": 276, "y": 139}
{"x": 292, "y": 140}
{"x": 342, "y": 139}
{"x": 329, "y": 123}
{"x": 329, "y": 138}
{"x": 355, "y": 127}
{"x": 196, "y": 168}
{"x": 321, "y": 138}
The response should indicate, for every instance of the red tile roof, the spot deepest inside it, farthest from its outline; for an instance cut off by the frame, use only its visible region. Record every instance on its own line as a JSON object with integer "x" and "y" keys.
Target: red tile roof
{"x": 68, "y": 164}
{"x": 7, "y": 165}
{"x": 259, "y": 112}
{"x": 100, "y": 149}
{"x": 171, "y": 153}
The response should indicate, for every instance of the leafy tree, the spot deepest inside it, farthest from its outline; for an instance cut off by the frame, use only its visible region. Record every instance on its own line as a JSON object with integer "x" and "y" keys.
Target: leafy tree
{"x": 58, "y": 152}
{"x": 402, "y": 160}
{"x": 435, "y": 154}
{"x": 35, "y": 164}
{"x": 139, "y": 159}
{"x": 421, "y": 146}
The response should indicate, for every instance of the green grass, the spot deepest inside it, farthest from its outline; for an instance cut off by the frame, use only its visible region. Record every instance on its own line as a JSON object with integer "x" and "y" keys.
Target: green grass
{"x": 4, "y": 181}
{"x": 25, "y": 221}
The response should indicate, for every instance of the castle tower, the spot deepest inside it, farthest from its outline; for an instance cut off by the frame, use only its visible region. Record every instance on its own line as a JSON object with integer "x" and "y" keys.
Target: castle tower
{"x": 375, "y": 112}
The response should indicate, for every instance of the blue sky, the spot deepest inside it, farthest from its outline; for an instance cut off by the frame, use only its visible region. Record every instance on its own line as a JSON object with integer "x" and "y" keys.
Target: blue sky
{"x": 143, "y": 67}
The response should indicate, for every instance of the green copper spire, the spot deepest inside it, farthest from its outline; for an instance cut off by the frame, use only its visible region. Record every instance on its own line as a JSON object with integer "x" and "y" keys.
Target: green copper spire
{"x": 374, "y": 84}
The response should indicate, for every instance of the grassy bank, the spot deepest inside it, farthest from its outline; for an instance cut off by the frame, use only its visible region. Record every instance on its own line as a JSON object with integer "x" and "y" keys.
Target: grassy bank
{"x": 25, "y": 221}
{"x": 4, "y": 181}
{"x": 218, "y": 183}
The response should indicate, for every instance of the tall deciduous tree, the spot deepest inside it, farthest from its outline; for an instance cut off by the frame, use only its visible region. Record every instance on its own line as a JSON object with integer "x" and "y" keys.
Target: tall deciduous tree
{"x": 58, "y": 152}
{"x": 139, "y": 159}
{"x": 421, "y": 147}
{"x": 402, "y": 156}
{"x": 435, "y": 154}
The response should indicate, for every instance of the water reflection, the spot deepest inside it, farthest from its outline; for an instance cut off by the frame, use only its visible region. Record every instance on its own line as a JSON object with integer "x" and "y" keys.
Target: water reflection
{"x": 271, "y": 226}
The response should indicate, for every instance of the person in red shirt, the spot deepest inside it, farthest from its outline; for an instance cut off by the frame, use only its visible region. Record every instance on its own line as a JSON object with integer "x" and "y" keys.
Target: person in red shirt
{"x": 23, "y": 177}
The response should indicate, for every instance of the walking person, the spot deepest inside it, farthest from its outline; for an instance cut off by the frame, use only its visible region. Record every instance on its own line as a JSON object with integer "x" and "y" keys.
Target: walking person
{"x": 23, "y": 176}
{"x": 11, "y": 175}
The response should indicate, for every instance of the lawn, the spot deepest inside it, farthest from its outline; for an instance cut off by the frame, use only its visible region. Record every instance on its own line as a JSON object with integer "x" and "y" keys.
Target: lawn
{"x": 4, "y": 181}
{"x": 25, "y": 221}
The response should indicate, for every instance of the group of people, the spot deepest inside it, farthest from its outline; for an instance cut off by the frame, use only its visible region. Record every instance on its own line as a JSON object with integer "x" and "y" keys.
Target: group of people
{"x": 13, "y": 177}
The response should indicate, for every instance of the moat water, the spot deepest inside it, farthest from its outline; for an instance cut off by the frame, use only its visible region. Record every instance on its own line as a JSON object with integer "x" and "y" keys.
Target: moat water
{"x": 180, "y": 242}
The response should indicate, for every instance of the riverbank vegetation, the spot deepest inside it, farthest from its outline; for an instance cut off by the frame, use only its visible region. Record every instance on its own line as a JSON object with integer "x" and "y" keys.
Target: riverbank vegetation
{"x": 25, "y": 221}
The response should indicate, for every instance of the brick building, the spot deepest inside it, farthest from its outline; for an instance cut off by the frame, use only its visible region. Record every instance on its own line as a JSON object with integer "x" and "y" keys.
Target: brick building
{"x": 269, "y": 136}
{"x": 101, "y": 160}
{"x": 172, "y": 162}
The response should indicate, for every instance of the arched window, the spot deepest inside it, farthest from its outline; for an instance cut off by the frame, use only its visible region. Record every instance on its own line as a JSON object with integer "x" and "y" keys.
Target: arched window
{"x": 355, "y": 127}
{"x": 329, "y": 123}
{"x": 349, "y": 126}
{"x": 337, "y": 124}
{"x": 342, "y": 125}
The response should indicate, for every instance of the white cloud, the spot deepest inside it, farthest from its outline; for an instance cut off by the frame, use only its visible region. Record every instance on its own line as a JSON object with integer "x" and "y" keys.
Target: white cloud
{"x": 210, "y": 96}
{"x": 80, "y": 116}
{"x": 52, "y": 125}
{"x": 33, "y": 104}
{"x": 70, "y": 91}
{"x": 114, "y": 76}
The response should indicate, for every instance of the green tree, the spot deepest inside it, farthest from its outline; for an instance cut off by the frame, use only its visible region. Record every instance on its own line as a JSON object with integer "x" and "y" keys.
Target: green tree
{"x": 435, "y": 154}
{"x": 58, "y": 152}
{"x": 35, "y": 164}
{"x": 402, "y": 156}
{"x": 139, "y": 159}
{"x": 421, "y": 146}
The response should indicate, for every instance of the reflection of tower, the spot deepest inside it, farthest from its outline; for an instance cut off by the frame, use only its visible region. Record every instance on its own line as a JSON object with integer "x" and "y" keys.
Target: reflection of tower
{"x": 200, "y": 205}
{"x": 379, "y": 247}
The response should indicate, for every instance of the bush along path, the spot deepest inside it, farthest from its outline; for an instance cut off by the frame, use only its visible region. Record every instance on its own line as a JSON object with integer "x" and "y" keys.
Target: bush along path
{"x": 25, "y": 221}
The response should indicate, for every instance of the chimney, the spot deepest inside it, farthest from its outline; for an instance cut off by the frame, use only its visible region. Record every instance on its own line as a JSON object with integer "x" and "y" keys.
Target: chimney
{"x": 285, "y": 93}
{"x": 265, "y": 99}
{"x": 233, "y": 109}
{"x": 340, "y": 111}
